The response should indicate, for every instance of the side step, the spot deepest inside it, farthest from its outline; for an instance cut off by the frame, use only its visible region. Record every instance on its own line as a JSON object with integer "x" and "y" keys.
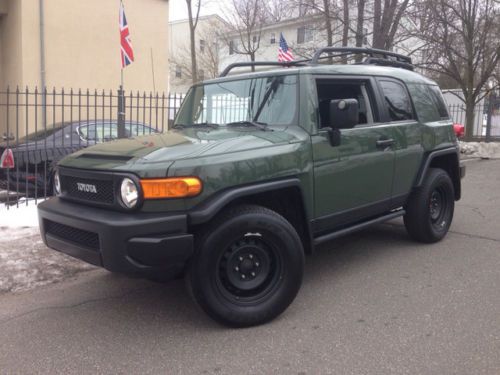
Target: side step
{"x": 355, "y": 228}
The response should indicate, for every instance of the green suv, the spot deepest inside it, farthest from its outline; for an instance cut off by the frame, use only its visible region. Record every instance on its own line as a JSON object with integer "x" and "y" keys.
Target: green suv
{"x": 257, "y": 170}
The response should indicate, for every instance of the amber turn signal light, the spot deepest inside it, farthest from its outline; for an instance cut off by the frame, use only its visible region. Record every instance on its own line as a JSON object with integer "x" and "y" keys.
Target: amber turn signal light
{"x": 179, "y": 187}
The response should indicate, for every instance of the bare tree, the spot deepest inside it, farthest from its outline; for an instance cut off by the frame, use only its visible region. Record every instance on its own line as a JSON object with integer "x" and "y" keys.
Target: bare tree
{"x": 496, "y": 77}
{"x": 278, "y": 10}
{"x": 462, "y": 44}
{"x": 360, "y": 26}
{"x": 193, "y": 23}
{"x": 346, "y": 23}
{"x": 246, "y": 19}
{"x": 331, "y": 22}
{"x": 386, "y": 21}
{"x": 328, "y": 15}
{"x": 207, "y": 56}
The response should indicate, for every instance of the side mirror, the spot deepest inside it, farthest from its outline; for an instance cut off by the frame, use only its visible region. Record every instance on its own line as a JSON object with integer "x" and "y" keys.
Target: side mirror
{"x": 344, "y": 113}
{"x": 334, "y": 136}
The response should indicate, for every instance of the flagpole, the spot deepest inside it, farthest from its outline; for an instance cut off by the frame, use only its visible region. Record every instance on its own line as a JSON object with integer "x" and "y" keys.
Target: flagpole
{"x": 121, "y": 97}
{"x": 121, "y": 81}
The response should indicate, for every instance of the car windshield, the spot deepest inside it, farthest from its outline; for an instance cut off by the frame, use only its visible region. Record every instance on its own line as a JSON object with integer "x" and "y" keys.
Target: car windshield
{"x": 264, "y": 100}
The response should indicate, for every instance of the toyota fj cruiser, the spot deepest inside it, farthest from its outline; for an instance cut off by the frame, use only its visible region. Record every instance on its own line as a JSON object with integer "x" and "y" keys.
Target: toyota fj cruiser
{"x": 257, "y": 170}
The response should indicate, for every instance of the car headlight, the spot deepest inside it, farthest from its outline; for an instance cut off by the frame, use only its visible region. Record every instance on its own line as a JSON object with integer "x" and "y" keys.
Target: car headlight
{"x": 129, "y": 193}
{"x": 57, "y": 183}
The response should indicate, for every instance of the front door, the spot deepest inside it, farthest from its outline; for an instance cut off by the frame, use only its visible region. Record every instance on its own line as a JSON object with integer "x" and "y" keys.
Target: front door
{"x": 353, "y": 181}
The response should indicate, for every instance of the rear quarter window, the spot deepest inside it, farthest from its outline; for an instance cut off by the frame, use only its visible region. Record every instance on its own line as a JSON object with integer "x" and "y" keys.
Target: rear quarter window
{"x": 428, "y": 102}
{"x": 437, "y": 96}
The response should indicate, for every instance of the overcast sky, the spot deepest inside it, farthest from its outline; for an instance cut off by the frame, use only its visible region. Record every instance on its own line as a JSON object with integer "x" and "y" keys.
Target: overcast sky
{"x": 178, "y": 8}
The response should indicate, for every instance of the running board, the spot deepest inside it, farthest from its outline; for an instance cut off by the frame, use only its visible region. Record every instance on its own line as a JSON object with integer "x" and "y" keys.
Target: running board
{"x": 355, "y": 228}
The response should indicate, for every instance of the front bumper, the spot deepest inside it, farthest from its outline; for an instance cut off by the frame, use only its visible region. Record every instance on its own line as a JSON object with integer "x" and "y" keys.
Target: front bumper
{"x": 132, "y": 243}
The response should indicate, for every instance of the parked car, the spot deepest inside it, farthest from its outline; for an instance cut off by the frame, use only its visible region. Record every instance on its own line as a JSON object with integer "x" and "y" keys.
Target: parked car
{"x": 259, "y": 169}
{"x": 26, "y": 165}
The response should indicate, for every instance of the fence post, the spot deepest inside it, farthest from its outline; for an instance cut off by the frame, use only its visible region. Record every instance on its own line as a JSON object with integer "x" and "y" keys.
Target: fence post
{"x": 491, "y": 101}
{"x": 121, "y": 113}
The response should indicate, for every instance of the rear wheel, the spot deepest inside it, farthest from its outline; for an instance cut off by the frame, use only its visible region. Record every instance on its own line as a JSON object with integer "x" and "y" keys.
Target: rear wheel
{"x": 430, "y": 208}
{"x": 247, "y": 267}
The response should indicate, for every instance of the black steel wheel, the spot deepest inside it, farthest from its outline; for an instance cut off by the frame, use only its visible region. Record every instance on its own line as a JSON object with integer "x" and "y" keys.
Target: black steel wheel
{"x": 247, "y": 266}
{"x": 438, "y": 207}
{"x": 429, "y": 211}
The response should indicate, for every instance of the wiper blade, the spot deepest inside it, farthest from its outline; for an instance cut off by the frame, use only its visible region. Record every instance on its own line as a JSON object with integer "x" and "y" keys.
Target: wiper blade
{"x": 200, "y": 125}
{"x": 257, "y": 124}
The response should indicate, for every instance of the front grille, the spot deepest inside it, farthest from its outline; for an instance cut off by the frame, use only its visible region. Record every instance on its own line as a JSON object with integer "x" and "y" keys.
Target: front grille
{"x": 77, "y": 236}
{"x": 93, "y": 190}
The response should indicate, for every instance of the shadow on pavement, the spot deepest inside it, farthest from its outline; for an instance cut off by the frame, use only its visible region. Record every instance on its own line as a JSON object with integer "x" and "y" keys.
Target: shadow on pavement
{"x": 126, "y": 302}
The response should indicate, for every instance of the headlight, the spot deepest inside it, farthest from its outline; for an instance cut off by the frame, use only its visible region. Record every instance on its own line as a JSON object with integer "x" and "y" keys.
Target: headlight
{"x": 129, "y": 193}
{"x": 57, "y": 183}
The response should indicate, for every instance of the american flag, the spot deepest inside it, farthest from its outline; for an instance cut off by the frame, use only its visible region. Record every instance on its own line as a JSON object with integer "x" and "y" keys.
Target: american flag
{"x": 284, "y": 52}
{"x": 126, "y": 44}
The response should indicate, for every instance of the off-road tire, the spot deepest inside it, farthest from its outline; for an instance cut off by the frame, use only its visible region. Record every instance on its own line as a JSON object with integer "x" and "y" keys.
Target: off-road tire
{"x": 247, "y": 267}
{"x": 429, "y": 211}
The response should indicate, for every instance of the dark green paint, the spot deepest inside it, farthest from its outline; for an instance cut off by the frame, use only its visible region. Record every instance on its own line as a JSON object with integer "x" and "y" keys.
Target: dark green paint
{"x": 333, "y": 179}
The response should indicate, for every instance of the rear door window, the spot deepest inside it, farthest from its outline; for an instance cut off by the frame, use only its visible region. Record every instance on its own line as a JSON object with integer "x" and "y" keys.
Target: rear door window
{"x": 396, "y": 100}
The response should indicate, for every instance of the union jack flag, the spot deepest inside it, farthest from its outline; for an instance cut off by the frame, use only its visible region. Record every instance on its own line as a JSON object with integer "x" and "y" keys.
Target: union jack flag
{"x": 284, "y": 52}
{"x": 126, "y": 44}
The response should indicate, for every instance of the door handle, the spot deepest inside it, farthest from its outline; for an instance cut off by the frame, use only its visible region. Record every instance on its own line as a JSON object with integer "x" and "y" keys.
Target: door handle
{"x": 383, "y": 143}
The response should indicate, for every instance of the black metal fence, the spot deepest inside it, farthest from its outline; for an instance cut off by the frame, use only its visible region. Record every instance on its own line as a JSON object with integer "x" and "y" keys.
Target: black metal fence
{"x": 457, "y": 113}
{"x": 38, "y": 128}
{"x": 486, "y": 126}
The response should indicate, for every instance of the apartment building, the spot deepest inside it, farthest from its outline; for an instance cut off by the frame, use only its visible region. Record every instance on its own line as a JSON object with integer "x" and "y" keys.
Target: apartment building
{"x": 209, "y": 42}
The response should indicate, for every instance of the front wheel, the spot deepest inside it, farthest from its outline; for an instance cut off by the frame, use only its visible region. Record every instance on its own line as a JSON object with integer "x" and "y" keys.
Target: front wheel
{"x": 247, "y": 267}
{"x": 430, "y": 208}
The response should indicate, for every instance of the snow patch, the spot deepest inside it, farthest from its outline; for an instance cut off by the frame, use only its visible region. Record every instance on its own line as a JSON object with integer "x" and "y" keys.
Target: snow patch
{"x": 483, "y": 150}
{"x": 26, "y": 263}
{"x": 22, "y": 215}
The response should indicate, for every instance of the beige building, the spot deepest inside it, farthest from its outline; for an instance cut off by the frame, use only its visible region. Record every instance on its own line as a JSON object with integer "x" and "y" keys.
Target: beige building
{"x": 75, "y": 44}
{"x": 81, "y": 44}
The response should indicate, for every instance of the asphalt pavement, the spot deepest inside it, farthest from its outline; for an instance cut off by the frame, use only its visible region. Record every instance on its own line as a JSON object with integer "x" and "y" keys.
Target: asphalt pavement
{"x": 371, "y": 303}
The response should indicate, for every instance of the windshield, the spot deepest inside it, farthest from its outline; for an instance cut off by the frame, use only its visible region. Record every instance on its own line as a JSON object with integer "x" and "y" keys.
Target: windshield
{"x": 267, "y": 100}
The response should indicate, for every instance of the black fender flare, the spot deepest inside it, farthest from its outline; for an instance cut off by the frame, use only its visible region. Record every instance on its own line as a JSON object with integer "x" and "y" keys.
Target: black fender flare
{"x": 438, "y": 153}
{"x": 206, "y": 210}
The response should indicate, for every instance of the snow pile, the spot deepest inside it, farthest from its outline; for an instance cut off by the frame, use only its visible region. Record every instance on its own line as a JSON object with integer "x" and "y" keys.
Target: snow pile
{"x": 26, "y": 263}
{"x": 19, "y": 217}
{"x": 482, "y": 150}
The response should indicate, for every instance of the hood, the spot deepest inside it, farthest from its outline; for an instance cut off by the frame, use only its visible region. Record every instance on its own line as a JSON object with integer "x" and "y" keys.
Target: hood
{"x": 177, "y": 145}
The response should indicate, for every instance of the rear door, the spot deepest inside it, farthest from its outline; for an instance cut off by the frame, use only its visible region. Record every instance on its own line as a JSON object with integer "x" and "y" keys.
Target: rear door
{"x": 398, "y": 110}
{"x": 353, "y": 181}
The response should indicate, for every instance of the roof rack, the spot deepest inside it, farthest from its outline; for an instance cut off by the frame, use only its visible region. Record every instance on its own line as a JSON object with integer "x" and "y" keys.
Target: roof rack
{"x": 375, "y": 57}
{"x": 263, "y": 63}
